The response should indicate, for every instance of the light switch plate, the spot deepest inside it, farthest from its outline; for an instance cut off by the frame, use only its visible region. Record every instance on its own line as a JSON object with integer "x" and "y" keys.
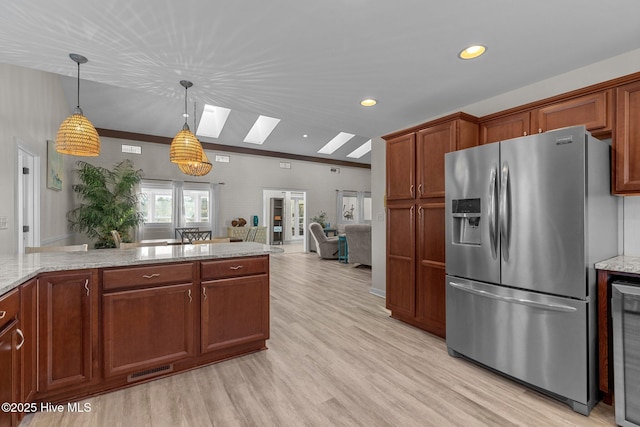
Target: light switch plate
{"x": 3, "y": 223}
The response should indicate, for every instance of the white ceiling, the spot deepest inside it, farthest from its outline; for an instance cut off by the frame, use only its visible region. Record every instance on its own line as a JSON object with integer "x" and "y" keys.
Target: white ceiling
{"x": 307, "y": 63}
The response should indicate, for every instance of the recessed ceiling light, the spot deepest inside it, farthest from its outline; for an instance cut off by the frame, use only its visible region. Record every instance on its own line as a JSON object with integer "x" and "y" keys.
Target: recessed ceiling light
{"x": 305, "y": 135}
{"x": 472, "y": 52}
{"x": 369, "y": 102}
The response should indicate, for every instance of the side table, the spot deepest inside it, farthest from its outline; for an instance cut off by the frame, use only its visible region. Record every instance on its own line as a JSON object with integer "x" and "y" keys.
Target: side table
{"x": 343, "y": 249}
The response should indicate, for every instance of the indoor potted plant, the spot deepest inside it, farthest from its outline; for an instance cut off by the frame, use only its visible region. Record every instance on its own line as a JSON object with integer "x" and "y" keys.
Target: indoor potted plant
{"x": 108, "y": 202}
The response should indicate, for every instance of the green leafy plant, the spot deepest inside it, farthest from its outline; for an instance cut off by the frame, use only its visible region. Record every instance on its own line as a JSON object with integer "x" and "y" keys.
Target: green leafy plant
{"x": 108, "y": 202}
{"x": 321, "y": 218}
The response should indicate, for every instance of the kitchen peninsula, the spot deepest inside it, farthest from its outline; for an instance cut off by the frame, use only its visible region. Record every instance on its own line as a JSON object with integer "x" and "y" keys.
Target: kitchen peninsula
{"x": 74, "y": 324}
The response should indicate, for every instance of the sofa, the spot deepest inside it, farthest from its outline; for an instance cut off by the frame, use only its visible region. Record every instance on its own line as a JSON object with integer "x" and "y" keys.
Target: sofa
{"x": 359, "y": 243}
{"x": 326, "y": 247}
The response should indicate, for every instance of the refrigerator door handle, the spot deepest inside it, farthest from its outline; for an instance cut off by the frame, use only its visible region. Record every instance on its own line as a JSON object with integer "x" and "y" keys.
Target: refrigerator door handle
{"x": 491, "y": 212}
{"x": 530, "y": 303}
{"x": 505, "y": 212}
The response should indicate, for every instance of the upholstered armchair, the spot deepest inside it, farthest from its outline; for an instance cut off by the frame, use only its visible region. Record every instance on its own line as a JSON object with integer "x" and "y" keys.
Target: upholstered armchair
{"x": 326, "y": 247}
{"x": 359, "y": 243}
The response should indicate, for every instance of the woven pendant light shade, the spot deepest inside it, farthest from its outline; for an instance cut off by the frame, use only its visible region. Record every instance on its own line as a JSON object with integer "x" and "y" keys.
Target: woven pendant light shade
{"x": 198, "y": 168}
{"x": 185, "y": 148}
{"x": 77, "y": 136}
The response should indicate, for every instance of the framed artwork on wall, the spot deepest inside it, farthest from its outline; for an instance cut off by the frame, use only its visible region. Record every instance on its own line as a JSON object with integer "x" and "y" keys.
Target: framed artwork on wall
{"x": 54, "y": 167}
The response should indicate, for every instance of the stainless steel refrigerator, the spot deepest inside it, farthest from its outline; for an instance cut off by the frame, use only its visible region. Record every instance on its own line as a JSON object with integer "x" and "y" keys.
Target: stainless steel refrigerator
{"x": 526, "y": 219}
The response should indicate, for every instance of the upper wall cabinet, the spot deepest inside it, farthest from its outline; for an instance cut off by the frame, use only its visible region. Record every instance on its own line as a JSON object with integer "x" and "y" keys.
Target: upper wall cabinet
{"x": 433, "y": 143}
{"x": 506, "y": 127}
{"x": 401, "y": 167}
{"x": 626, "y": 144}
{"x": 594, "y": 110}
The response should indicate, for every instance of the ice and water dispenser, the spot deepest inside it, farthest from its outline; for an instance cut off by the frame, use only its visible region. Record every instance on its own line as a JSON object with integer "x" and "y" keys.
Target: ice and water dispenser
{"x": 466, "y": 221}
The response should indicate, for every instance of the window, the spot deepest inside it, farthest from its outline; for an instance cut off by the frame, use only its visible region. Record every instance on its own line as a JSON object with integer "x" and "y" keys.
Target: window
{"x": 196, "y": 204}
{"x": 354, "y": 207}
{"x": 367, "y": 207}
{"x": 157, "y": 203}
{"x": 158, "y": 207}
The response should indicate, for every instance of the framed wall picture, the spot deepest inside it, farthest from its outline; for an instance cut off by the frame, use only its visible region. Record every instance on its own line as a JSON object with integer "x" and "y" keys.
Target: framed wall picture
{"x": 54, "y": 167}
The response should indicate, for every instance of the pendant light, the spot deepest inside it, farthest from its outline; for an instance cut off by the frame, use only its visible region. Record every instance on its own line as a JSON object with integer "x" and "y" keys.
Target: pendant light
{"x": 77, "y": 136}
{"x": 185, "y": 147}
{"x": 196, "y": 168}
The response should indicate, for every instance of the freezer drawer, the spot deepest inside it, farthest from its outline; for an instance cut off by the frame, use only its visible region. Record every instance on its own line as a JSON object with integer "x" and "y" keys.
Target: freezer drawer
{"x": 539, "y": 339}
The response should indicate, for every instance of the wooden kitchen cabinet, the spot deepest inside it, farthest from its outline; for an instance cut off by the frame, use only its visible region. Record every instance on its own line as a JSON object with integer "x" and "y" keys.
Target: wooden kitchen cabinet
{"x": 147, "y": 328}
{"x": 432, "y": 143}
{"x": 234, "y": 312}
{"x": 68, "y": 334}
{"x": 91, "y": 331}
{"x": 626, "y": 144}
{"x": 11, "y": 340}
{"x": 29, "y": 327}
{"x": 234, "y": 303}
{"x": 401, "y": 167}
{"x": 594, "y": 110}
{"x": 415, "y": 219}
{"x": 401, "y": 258}
{"x": 505, "y": 127}
{"x": 431, "y": 272}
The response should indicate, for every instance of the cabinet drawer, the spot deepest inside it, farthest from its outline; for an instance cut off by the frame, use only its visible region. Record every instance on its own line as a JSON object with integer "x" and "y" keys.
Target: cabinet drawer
{"x": 144, "y": 276}
{"x": 9, "y": 307}
{"x": 212, "y": 270}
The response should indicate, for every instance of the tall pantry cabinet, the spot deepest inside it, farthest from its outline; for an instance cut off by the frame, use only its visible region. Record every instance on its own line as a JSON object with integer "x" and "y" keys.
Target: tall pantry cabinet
{"x": 415, "y": 217}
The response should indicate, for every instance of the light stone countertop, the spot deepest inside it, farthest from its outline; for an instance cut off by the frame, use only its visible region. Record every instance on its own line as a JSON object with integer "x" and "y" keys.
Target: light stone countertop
{"x": 17, "y": 269}
{"x": 622, "y": 264}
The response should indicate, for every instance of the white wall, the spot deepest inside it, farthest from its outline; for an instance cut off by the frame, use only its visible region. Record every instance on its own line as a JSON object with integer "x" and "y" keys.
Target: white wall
{"x": 32, "y": 106}
{"x": 378, "y": 221}
{"x": 618, "y": 66}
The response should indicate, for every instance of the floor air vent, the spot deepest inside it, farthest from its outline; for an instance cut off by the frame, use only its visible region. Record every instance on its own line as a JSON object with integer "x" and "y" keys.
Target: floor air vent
{"x": 149, "y": 373}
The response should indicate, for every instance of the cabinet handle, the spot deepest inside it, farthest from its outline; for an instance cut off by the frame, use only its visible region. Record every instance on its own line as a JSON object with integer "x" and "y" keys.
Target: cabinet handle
{"x": 420, "y": 189}
{"x": 151, "y": 276}
{"x": 21, "y": 336}
{"x": 189, "y": 295}
{"x": 411, "y": 190}
{"x": 539, "y": 130}
{"x": 420, "y": 210}
{"x": 204, "y": 293}
{"x": 2, "y": 314}
{"x": 86, "y": 285}
{"x": 524, "y": 133}
{"x": 235, "y": 267}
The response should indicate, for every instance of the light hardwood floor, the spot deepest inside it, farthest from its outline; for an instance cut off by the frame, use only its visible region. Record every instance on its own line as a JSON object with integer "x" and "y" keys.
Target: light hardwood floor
{"x": 335, "y": 358}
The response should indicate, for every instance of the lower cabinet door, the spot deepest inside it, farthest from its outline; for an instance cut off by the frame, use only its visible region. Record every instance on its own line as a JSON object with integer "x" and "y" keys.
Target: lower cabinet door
{"x": 147, "y": 328}
{"x": 9, "y": 370}
{"x": 68, "y": 322}
{"x": 234, "y": 312}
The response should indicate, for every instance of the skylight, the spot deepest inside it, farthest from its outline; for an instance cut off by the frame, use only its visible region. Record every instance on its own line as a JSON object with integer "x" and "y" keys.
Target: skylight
{"x": 261, "y": 130}
{"x": 360, "y": 151}
{"x": 337, "y": 142}
{"x": 212, "y": 121}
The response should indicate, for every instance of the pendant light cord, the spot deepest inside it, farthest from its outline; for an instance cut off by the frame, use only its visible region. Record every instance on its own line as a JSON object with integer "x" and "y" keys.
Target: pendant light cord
{"x": 78, "y": 106}
{"x": 186, "y": 114}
